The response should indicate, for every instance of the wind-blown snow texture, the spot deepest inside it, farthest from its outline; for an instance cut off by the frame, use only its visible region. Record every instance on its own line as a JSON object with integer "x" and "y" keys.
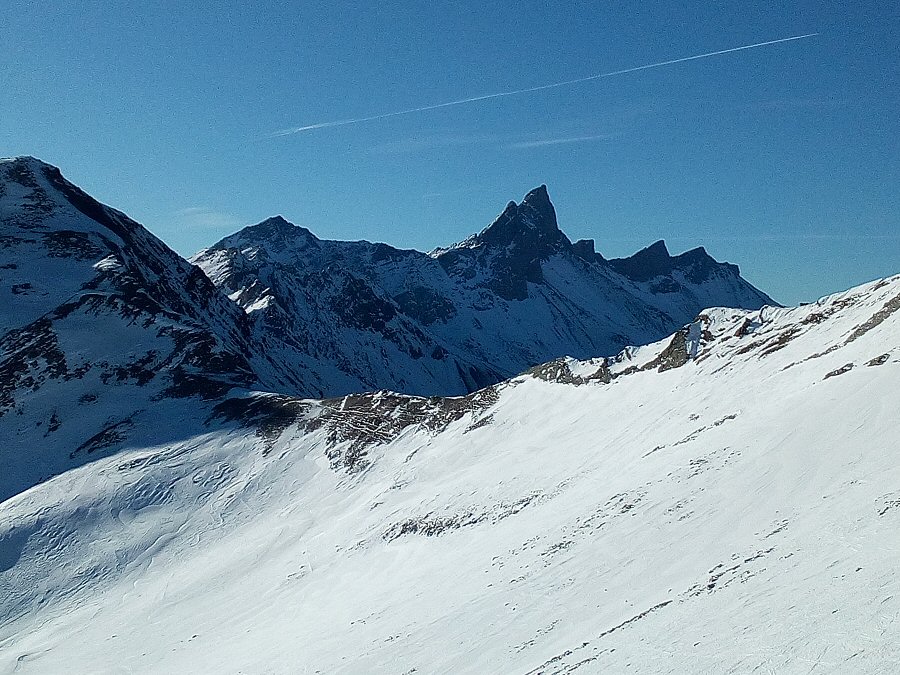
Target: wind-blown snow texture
{"x": 354, "y": 316}
{"x": 723, "y": 500}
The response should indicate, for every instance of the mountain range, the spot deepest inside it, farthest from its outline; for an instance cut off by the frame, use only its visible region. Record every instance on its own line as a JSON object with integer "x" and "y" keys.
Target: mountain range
{"x": 354, "y": 316}
{"x": 249, "y": 464}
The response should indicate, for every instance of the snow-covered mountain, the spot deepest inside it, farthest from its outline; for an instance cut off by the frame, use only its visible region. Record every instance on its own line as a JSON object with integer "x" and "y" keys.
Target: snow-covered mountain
{"x": 723, "y": 500}
{"x": 355, "y": 316}
{"x": 101, "y": 325}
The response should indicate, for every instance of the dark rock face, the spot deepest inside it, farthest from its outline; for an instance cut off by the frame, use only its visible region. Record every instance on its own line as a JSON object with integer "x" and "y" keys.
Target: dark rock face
{"x": 584, "y": 249}
{"x": 647, "y": 263}
{"x": 30, "y": 356}
{"x": 512, "y": 247}
{"x": 360, "y": 307}
{"x": 530, "y": 227}
{"x": 699, "y": 266}
{"x": 425, "y": 304}
{"x": 654, "y": 261}
{"x": 674, "y": 355}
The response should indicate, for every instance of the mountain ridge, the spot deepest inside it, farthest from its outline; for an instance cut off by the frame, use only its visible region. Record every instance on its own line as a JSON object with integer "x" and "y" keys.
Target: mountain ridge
{"x": 464, "y": 303}
{"x": 101, "y": 320}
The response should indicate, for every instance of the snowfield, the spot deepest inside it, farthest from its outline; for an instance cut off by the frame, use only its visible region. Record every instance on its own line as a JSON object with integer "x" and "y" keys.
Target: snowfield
{"x": 726, "y": 500}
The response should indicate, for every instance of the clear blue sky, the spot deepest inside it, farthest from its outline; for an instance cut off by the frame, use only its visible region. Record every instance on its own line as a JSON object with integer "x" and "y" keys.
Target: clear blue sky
{"x": 783, "y": 159}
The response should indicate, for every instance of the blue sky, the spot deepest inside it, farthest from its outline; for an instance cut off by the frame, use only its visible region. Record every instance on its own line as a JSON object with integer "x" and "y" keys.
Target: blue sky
{"x": 783, "y": 159}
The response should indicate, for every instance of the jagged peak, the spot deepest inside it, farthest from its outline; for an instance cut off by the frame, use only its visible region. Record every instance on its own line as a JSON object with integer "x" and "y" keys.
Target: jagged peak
{"x": 649, "y": 262}
{"x": 531, "y": 222}
{"x": 655, "y": 260}
{"x": 695, "y": 255}
{"x": 538, "y": 197}
{"x": 514, "y": 245}
{"x": 657, "y": 248}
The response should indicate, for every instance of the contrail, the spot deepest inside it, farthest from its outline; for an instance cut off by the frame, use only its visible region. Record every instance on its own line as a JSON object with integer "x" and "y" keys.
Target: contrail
{"x": 542, "y": 87}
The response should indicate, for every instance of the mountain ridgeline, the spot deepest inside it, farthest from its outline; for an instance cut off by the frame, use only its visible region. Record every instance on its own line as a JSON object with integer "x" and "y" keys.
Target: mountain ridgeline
{"x": 89, "y": 294}
{"x": 103, "y": 327}
{"x": 344, "y": 316}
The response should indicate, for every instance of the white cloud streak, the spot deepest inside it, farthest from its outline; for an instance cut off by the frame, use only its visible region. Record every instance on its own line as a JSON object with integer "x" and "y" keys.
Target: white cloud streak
{"x": 422, "y": 143}
{"x": 525, "y": 145}
{"x": 554, "y": 85}
{"x": 205, "y": 217}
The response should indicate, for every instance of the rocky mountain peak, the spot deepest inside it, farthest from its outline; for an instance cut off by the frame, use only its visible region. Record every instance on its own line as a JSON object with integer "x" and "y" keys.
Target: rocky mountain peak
{"x": 276, "y": 236}
{"x": 657, "y": 248}
{"x": 512, "y": 247}
{"x": 274, "y": 224}
{"x": 647, "y": 263}
{"x": 530, "y": 226}
{"x": 538, "y": 203}
{"x": 22, "y": 162}
{"x": 275, "y": 228}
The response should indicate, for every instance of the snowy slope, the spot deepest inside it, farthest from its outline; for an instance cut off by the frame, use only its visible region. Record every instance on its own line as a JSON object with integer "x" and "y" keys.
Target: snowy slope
{"x": 356, "y": 316}
{"x": 724, "y": 500}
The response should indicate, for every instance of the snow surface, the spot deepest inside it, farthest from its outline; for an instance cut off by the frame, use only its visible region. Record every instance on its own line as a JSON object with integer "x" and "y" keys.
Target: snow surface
{"x": 735, "y": 511}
